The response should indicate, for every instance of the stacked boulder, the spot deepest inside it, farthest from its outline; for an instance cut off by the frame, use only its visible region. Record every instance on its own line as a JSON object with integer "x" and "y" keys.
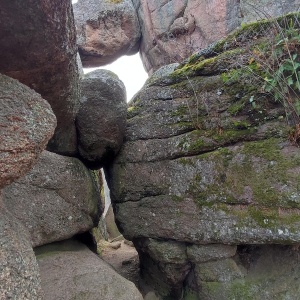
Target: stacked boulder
{"x": 50, "y": 200}
{"x": 27, "y": 123}
{"x": 106, "y": 30}
{"x": 212, "y": 178}
{"x": 163, "y": 32}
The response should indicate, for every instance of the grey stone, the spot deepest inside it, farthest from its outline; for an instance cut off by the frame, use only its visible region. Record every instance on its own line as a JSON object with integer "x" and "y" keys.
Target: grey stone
{"x": 256, "y": 10}
{"x": 204, "y": 253}
{"x": 164, "y": 265}
{"x": 56, "y": 200}
{"x": 166, "y": 252}
{"x": 184, "y": 199}
{"x": 19, "y": 274}
{"x": 101, "y": 120}
{"x": 80, "y": 273}
{"x": 272, "y": 272}
{"x": 200, "y": 165}
{"x": 224, "y": 270}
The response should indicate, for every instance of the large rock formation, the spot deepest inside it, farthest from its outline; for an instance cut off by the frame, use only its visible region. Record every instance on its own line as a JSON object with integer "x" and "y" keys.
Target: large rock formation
{"x": 27, "y": 123}
{"x": 38, "y": 47}
{"x": 208, "y": 161}
{"x": 106, "y": 30}
{"x": 101, "y": 120}
{"x": 173, "y": 30}
{"x": 57, "y": 199}
{"x": 85, "y": 276}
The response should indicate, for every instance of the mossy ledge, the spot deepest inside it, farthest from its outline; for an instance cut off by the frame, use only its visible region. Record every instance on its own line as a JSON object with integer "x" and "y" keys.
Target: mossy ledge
{"x": 205, "y": 61}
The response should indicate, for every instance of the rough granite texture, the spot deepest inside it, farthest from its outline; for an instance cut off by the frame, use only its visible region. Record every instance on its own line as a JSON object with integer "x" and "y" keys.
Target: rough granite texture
{"x": 56, "y": 200}
{"x": 256, "y": 272}
{"x": 19, "y": 275}
{"x": 201, "y": 166}
{"x": 43, "y": 57}
{"x": 26, "y": 124}
{"x": 69, "y": 270}
{"x": 173, "y": 30}
{"x": 106, "y": 30}
{"x": 101, "y": 120}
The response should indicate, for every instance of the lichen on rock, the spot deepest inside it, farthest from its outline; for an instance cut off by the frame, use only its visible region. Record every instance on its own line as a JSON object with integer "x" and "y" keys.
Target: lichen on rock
{"x": 202, "y": 165}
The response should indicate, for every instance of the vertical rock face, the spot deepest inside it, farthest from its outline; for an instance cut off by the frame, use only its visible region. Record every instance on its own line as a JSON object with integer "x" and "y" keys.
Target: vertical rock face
{"x": 101, "y": 120}
{"x": 255, "y": 10}
{"x": 174, "y": 29}
{"x": 57, "y": 199}
{"x": 202, "y": 166}
{"x": 26, "y": 124}
{"x": 19, "y": 275}
{"x": 106, "y": 30}
{"x": 38, "y": 47}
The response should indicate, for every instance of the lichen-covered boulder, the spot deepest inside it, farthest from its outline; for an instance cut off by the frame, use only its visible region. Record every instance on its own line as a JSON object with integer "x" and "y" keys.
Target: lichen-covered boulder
{"x": 101, "y": 120}
{"x": 26, "y": 124}
{"x": 80, "y": 274}
{"x": 106, "y": 30}
{"x": 19, "y": 273}
{"x": 43, "y": 57}
{"x": 56, "y": 200}
{"x": 202, "y": 164}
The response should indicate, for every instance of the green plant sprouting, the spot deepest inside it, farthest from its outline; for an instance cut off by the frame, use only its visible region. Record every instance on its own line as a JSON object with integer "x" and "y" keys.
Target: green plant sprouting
{"x": 279, "y": 64}
{"x": 273, "y": 65}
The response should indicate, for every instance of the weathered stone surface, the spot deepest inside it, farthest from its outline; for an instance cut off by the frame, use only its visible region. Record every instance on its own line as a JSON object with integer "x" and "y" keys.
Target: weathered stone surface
{"x": 270, "y": 272}
{"x": 26, "y": 124}
{"x": 202, "y": 165}
{"x": 207, "y": 171}
{"x": 166, "y": 252}
{"x": 69, "y": 270}
{"x": 255, "y": 10}
{"x": 106, "y": 30}
{"x": 173, "y": 30}
{"x": 43, "y": 57}
{"x": 57, "y": 199}
{"x": 164, "y": 265}
{"x": 204, "y": 253}
{"x": 224, "y": 270}
{"x": 101, "y": 120}
{"x": 19, "y": 275}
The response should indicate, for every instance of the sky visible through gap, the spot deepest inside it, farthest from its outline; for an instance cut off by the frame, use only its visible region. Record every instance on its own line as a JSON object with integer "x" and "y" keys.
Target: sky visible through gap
{"x": 129, "y": 69}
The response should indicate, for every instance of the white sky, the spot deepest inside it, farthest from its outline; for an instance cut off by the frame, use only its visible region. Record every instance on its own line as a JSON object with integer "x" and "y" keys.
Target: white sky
{"x": 129, "y": 69}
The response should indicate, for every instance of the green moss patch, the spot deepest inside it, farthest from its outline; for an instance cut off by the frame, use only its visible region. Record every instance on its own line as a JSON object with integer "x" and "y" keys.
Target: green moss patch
{"x": 258, "y": 174}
